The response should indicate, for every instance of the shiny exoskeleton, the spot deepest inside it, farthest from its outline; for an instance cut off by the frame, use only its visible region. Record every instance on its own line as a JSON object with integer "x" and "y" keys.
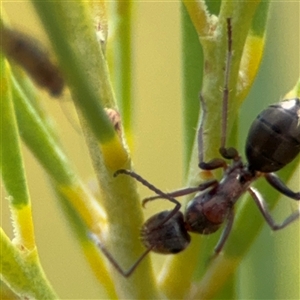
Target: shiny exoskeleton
{"x": 274, "y": 137}
{"x": 275, "y": 134}
{"x": 273, "y": 141}
{"x": 276, "y": 130}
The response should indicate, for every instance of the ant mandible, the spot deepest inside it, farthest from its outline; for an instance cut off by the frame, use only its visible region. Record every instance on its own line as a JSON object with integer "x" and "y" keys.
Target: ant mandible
{"x": 273, "y": 141}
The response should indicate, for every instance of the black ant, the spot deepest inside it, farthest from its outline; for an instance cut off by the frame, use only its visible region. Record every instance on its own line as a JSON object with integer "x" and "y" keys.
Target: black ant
{"x": 273, "y": 141}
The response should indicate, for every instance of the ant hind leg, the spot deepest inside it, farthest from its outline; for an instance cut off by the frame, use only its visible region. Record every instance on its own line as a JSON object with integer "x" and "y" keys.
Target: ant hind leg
{"x": 184, "y": 191}
{"x": 277, "y": 184}
{"x": 266, "y": 214}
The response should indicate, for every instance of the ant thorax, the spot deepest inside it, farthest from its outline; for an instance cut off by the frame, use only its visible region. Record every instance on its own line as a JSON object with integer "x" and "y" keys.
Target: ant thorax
{"x": 210, "y": 209}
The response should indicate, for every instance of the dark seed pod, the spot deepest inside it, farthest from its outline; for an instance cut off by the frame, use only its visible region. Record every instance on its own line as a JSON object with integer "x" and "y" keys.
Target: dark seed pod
{"x": 28, "y": 53}
{"x": 274, "y": 137}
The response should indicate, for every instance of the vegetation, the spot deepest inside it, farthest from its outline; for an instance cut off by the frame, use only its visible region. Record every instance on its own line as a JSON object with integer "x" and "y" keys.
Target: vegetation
{"x": 98, "y": 73}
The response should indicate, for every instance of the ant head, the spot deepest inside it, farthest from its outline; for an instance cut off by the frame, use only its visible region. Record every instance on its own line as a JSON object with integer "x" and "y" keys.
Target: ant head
{"x": 197, "y": 216}
{"x": 167, "y": 238}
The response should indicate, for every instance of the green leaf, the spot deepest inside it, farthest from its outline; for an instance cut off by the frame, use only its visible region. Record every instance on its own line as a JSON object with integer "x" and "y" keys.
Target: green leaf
{"x": 19, "y": 261}
{"x": 70, "y": 29}
{"x": 192, "y": 68}
{"x": 120, "y": 197}
{"x": 120, "y": 56}
{"x": 12, "y": 167}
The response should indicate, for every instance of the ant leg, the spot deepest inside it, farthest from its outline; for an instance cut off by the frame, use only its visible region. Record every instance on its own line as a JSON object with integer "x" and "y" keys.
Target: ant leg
{"x": 226, "y": 84}
{"x": 111, "y": 259}
{"x": 230, "y": 153}
{"x": 227, "y": 153}
{"x": 155, "y": 190}
{"x": 276, "y": 183}
{"x": 214, "y": 163}
{"x": 184, "y": 191}
{"x": 225, "y": 233}
{"x": 266, "y": 214}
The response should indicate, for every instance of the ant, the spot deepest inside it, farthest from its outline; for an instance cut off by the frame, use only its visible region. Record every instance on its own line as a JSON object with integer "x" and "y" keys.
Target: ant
{"x": 273, "y": 141}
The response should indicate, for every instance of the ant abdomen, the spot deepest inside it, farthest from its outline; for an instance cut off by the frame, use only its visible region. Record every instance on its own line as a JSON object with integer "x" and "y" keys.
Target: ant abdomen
{"x": 274, "y": 137}
{"x": 170, "y": 237}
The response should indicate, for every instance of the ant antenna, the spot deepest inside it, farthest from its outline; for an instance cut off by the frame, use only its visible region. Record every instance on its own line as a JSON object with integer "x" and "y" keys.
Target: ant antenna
{"x": 155, "y": 190}
{"x": 125, "y": 273}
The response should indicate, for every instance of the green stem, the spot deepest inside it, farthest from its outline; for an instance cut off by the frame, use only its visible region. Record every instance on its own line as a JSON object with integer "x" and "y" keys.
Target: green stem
{"x": 19, "y": 260}
{"x": 57, "y": 19}
{"x": 121, "y": 54}
{"x": 22, "y": 272}
{"x": 119, "y": 195}
{"x": 192, "y": 66}
{"x": 213, "y": 37}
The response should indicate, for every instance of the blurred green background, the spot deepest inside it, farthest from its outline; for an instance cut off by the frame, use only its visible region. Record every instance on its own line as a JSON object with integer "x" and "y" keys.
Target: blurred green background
{"x": 157, "y": 151}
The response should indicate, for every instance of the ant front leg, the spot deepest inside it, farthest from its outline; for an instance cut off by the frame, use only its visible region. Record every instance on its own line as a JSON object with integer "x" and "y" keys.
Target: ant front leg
{"x": 184, "y": 191}
{"x": 225, "y": 233}
{"x": 266, "y": 214}
{"x": 224, "y": 236}
{"x": 125, "y": 273}
{"x": 276, "y": 183}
